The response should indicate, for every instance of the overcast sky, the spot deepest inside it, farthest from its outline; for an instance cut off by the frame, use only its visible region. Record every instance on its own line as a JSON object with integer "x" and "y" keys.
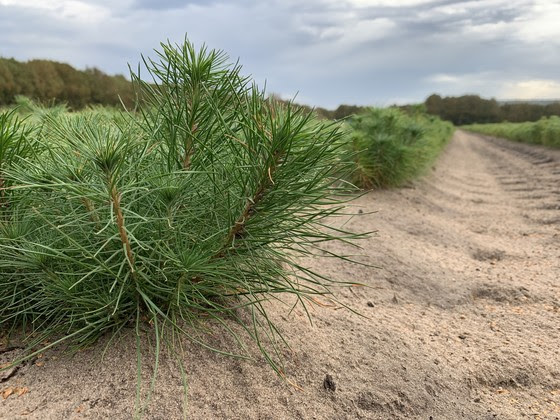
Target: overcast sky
{"x": 367, "y": 52}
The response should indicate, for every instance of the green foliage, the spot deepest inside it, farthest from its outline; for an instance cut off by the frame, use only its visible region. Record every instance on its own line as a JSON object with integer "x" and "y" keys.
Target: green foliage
{"x": 14, "y": 145}
{"x": 390, "y": 146}
{"x": 470, "y": 109}
{"x": 193, "y": 212}
{"x": 546, "y": 131}
{"x": 36, "y": 114}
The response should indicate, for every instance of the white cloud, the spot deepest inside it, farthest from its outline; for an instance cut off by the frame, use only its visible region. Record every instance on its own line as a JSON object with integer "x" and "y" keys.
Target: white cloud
{"x": 359, "y": 31}
{"x": 531, "y": 89}
{"x": 443, "y": 78}
{"x": 489, "y": 31}
{"x": 66, "y": 9}
{"x": 388, "y": 3}
{"x": 500, "y": 85}
{"x": 465, "y": 83}
{"x": 541, "y": 23}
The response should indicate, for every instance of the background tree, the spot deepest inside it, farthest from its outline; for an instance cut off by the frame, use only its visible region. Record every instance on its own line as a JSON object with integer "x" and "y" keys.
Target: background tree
{"x": 53, "y": 82}
{"x": 470, "y": 109}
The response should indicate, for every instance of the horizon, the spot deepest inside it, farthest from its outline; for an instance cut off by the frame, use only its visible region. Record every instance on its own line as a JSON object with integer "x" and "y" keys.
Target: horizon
{"x": 501, "y": 101}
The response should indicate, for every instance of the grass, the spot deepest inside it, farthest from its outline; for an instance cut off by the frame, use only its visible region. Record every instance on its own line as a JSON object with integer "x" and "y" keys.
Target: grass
{"x": 546, "y": 131}
{"x": 390, "y": 147}
{"x": 192, "y": 211}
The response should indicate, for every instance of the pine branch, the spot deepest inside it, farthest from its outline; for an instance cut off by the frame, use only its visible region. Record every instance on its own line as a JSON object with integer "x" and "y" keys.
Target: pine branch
{"x": 189, "y": 147}
{"x": 239, "y": 226}
{"x": 2, "y": 192}
{"x": 90, "y": 207}
{"x": 116, "y": 203}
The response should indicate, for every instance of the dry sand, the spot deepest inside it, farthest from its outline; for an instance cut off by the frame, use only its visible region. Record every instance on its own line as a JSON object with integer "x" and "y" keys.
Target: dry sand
{"x": 462, "y": 316}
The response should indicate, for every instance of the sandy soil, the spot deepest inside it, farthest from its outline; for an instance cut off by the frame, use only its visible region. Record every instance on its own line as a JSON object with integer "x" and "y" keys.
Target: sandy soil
{"x": 462, "y": 317}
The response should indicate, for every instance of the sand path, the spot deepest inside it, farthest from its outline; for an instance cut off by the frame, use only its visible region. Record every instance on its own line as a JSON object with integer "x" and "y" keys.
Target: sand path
{"x": 462, "y": 317}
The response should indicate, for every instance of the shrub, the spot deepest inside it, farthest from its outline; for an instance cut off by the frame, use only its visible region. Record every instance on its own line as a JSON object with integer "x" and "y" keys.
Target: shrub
{"x": 546, "y": 131}
{"x": 198, "y": 208}
{"x": 390, "y": 146}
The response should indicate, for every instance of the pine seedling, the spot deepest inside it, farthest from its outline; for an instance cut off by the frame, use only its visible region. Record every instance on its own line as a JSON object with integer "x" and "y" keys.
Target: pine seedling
{"x": 185, "y": 217}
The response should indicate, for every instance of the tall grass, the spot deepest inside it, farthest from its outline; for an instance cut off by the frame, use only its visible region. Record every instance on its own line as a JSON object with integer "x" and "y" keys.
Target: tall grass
{"x": 390, "y": 147}
{"x": 546, "y": 131}
{"x": 193, "y": 212}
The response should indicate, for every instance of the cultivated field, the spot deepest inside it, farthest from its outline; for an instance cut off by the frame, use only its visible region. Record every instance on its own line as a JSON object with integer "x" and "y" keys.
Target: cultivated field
{"x": 459, "y": 320}
{"x": 181, "y": 220}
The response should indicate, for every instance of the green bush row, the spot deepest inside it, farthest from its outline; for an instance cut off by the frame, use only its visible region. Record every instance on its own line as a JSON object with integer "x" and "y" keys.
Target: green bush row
{"x": 390, "y": 146}
{"x": 546, "y": 131}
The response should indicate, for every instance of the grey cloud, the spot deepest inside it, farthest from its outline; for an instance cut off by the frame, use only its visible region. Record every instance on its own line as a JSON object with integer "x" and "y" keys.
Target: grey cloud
{"x": 181, "y": 4}
{"x": 331, "y": 52}
{"x": 167, "y": 4}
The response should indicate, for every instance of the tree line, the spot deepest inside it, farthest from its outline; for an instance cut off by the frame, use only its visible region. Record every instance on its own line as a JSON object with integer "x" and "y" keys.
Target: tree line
{"x": 52, "y": 82}
{"x": 342, "y": 111}
{"x": 471, "y": 109}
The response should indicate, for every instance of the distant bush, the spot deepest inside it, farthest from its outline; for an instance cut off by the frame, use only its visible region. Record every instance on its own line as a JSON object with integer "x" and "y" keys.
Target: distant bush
{"x": 546, "y": 131}
{"x": 390, "y": 146}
